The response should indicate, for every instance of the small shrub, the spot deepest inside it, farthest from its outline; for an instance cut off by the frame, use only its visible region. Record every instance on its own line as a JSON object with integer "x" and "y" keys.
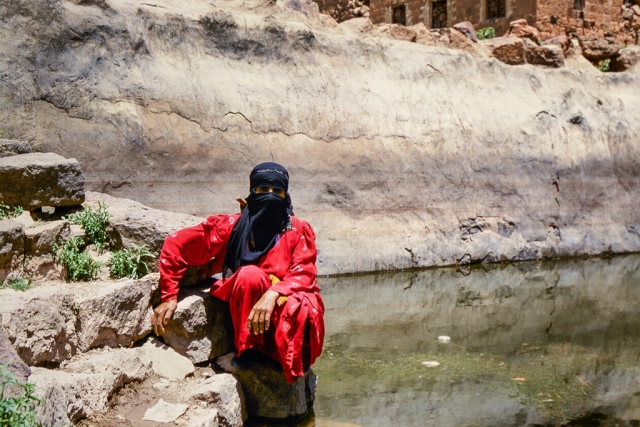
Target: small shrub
{"x": 79, "y": 265}
{"x": 604, "y": 65}
{"x": 17, "y": 411}
{"x": 94, "y": 222}
{"x": 10, "y": 212}
{"x": 131, "y": 263}
{"x": 16, "y": 285}
{"x": 486, "y": 33}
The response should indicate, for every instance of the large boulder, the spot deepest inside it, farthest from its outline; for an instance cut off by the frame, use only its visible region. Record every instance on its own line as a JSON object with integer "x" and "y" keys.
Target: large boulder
{"x": 201, "y": 327}
{"x": 34, "y": 180}
{"x": 136, "y": 224}
{"x": 599, "y": 48}
{"x": 9, "y": 147}
{"x": 509, "y": 50}
{"x": 267, "y": 393}
{"x": 85, "y": 386}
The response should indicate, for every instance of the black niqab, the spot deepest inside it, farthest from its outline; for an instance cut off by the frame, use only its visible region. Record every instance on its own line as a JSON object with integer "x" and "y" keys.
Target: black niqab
{"x": 264, "y": 218}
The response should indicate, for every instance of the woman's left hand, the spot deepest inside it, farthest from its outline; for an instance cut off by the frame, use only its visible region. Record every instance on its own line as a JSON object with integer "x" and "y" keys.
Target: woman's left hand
{"x": 259, "y": 318}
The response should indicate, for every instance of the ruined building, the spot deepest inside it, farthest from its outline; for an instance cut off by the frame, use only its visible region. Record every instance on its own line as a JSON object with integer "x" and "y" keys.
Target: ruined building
{"x": 551, "y": 17}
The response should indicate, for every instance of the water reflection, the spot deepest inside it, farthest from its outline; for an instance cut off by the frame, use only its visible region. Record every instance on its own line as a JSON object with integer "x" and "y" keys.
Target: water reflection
{"x": 531, "y": 344}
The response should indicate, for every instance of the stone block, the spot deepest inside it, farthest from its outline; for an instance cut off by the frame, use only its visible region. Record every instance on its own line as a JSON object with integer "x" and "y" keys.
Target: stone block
{"x": 467, "y": 29}
{"x": 9, "y": 357}
{"x": 40, "y": 239}
{"x": 11, "y": 246}
{"x": 627, "y": 59}
{"x": 166, "y": 362}
{"x": 34, "y": 180}
{"x": 85, "y": 386}
{"x": 201, "y": 327}
{"x": 9, "y": 147}
{"x": 599, "y": 48}
{"x": 509, "y": 50}
{"x": 267, "y": 393}
{"x": 224, "y": 393}
{"x": 398, "y": 32}
{"x": 548, "y": 56}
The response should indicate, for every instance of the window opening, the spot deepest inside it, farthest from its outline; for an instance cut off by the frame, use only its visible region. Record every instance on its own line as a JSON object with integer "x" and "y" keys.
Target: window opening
{"x": 496, "y": 9}
{"x": 439, "y": 14}
{"x": 399, "y": 15}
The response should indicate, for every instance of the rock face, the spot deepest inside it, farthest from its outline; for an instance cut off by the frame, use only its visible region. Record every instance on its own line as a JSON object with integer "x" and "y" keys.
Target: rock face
{"x": 267, "y": 393}
{"x": 223, "y": 392}
{"x": 549, "y": 56}
{"x": 509, "y": 50}
{"x": 11, "y": 246}
{"x": 34, "y": 180}
{"x": 9, "y": 357}
{"x": 391, "y": 146}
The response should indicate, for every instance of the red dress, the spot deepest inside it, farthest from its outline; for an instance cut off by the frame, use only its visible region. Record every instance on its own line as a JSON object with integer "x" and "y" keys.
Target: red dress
{"x": 296, "y": 333}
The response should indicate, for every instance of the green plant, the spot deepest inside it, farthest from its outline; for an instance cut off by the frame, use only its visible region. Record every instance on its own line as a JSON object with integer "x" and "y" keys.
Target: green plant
{"x": 604, "y": 65}
{"x": 18, "y": 411}
{"x": 94, "y": 222}
{"x": 486, "y": 33}
{"x": 10, "y": 212}
{"x": 131, "y": 262}
{"x": 16, "y": 284}
{"x": 79, "y": 265}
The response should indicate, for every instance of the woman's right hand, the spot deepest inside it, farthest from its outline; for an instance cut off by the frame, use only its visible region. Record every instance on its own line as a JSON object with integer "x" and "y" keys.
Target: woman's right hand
{"x": 162, "y": 314}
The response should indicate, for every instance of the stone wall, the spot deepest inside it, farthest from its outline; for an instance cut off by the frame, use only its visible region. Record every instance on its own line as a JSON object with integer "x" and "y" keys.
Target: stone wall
{"x": 593, "y": 18}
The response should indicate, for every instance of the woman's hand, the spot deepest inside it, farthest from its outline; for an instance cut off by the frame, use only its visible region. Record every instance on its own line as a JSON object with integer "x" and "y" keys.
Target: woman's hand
{"x": 259, "y": 319}
{"x": 162, "y": 314}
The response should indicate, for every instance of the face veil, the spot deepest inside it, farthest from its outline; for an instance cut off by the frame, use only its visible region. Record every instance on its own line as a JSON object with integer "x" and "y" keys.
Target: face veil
{"x": 264, "y": 218}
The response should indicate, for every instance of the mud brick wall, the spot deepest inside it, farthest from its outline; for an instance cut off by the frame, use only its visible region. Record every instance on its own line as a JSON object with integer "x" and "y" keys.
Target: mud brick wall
{"x": 599, "y": 18}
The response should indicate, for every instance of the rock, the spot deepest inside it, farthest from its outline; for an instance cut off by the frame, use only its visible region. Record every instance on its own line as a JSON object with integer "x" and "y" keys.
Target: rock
{"x": 9, "y": 147}
{"x": 48, "y": 325}
{"x": 223, "y": 392}
{"x": 509, "y": 50}
{"x": 40, "y": 239}
{"x": 70, "y": 395}
{"x": 636, "y": 9}
{"x": 266, "y": 391}
{"x": 163, "y": 412}
{"x": 201, "y": 326}
{"x": 357, "y": 25}
{"x": 627, "y": 59}
{"x": 306, "y": 7}
{"x": 549, "y": 56}
{"x": 9, "y": 357}
{"x": 467, "y": 29}
{"x": 11, "y": 247}
{"x": 396, "y": 31}
{"x": 167, "y": 363}
{"x": 34, "y": 180}
{"x": 521, "y": 29}
{"x": 562, "y": 40}
{"x": 203, "y": 418}
{"x": 115, "y": 314}
{"x": 599, "y": 48}
{"x": 136, "y": 224}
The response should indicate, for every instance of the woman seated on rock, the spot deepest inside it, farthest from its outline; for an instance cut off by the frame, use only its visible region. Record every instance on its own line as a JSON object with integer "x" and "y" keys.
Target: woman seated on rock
{"x": 267, "y": 256}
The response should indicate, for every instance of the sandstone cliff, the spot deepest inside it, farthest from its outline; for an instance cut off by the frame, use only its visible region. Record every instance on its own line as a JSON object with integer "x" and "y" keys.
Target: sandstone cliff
{"x": 401, "y": 155}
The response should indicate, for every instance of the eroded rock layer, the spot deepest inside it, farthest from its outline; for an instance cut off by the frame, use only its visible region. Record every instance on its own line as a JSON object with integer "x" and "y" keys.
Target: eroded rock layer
{"x": 401, "y": 155}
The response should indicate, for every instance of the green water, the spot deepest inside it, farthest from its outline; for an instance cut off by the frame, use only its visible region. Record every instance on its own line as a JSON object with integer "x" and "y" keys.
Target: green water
{"x": 555, "y": 343}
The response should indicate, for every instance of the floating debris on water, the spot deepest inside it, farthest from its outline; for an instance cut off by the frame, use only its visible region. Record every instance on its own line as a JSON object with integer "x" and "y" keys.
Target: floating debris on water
{"x": 444, "y": 339}
{"x": 431, "y": 364}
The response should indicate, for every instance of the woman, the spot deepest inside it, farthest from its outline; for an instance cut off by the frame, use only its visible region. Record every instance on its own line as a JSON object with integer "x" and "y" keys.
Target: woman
{"x": 267, "y": 256}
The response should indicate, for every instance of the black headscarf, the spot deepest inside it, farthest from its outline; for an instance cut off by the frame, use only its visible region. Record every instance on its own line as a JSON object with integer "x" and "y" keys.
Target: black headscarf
{"x": 265, "y": 216}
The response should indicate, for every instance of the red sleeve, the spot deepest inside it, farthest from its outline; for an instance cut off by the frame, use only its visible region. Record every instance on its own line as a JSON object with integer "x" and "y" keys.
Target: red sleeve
{"x": 302, "y": 270}
{"x": 191, "y": 247}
